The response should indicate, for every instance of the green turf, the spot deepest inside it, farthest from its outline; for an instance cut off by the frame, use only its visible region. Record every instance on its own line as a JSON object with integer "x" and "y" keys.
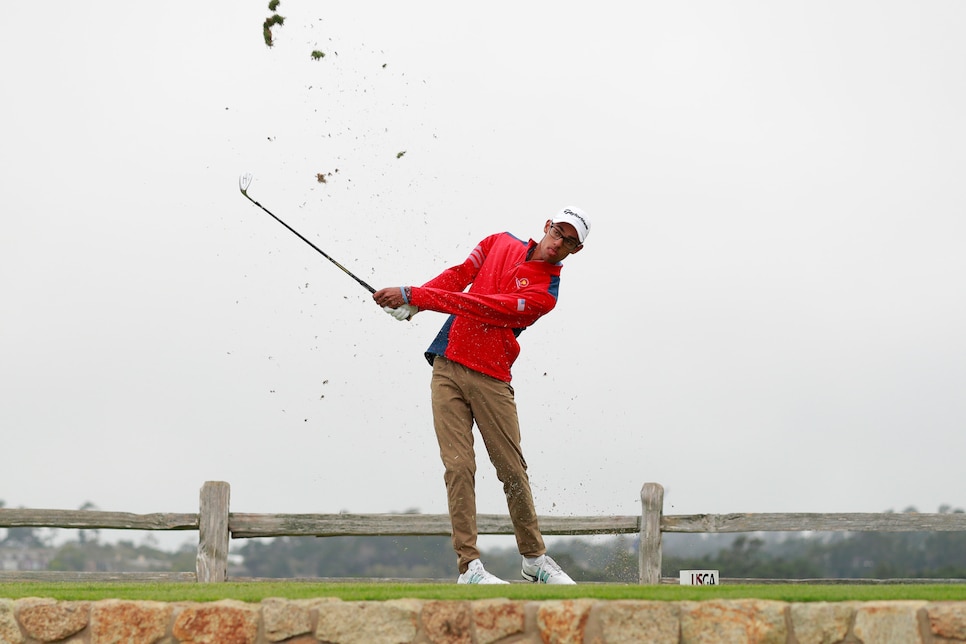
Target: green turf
{"x": 256, "y": 591}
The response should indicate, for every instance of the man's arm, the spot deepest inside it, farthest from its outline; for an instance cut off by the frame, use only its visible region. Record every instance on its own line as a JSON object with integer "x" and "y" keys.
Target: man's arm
{"x": 514, "y": 310}
{"x": 455, "y": 278}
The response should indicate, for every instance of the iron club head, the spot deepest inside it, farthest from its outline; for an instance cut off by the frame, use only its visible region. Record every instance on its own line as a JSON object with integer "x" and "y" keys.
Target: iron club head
{"x": 244, "y": 181}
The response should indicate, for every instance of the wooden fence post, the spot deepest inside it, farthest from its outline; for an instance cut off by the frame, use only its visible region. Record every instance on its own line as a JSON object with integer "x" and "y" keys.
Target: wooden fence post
{"x": 652, "y": 502}
{"x": 213, "y": 535}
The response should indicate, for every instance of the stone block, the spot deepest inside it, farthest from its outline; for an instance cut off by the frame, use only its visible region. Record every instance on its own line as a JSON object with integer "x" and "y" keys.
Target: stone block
{"x": 284, "y": 619}
{"x": 126, "y": 622}
{"x": 821, "y": 622}
{"x": 888, "y": 622}
{"x": 49, "y": 620}
{"x": 631, "y": 621}
{"x": 223, "y": 622}
{"x": 738, "y": 620}
{"x": 496, "y": 619}
{"x": 9, "y": 629}
{"x": 369, "y": 622}
{"x": 563, "y": 621}
{"x": 448, "y": 622}
{"x": 947, "y": 619}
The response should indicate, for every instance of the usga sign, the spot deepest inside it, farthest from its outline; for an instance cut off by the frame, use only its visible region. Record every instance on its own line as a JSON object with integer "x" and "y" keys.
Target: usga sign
{"x": 700, "y": 578}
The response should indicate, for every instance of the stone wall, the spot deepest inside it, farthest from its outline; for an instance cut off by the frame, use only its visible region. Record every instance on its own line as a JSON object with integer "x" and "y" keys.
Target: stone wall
{"x": 580, "y": 621}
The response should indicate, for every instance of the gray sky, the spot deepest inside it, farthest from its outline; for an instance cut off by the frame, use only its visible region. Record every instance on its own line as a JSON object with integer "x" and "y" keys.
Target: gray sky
{"x": 768, "y": 315}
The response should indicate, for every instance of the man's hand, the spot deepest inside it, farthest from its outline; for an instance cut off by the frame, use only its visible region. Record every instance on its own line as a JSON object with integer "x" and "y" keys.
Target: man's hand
{"x": 393, "y": 297}
{"x": 404, "y": 312}
{"x": 393, "y": 301}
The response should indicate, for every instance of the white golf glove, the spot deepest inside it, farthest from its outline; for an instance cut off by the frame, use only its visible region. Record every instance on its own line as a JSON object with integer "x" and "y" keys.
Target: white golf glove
{"x": 404, "y": 312}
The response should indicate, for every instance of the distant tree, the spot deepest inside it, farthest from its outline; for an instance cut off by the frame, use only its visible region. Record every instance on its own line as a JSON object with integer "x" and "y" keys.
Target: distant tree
{"x": 83, "y": 536}
{"x": 746, "y": 557}
{"x": 377, "y": 557}
{"x": 122, "y": 556}
{"x": 72, "y": 556}
{"x": 25, "y": 537}
{"x": 838, "y": 555}
{"x": 934, "y": 555}
{"x": 185, "y": 560}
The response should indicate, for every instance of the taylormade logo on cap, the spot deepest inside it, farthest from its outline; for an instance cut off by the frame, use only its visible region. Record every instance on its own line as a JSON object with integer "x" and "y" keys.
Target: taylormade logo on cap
{"x": 576, "y": 218}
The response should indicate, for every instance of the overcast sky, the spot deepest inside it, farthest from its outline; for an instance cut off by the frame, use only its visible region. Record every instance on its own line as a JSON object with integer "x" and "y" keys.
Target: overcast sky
{"x": 768, "y": 315}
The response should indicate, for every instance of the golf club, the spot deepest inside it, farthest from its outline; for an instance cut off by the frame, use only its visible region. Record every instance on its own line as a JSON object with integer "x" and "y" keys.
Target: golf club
{"x": 245, "y": 180}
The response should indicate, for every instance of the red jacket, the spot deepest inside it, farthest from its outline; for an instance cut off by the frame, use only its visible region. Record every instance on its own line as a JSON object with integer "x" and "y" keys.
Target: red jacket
{"x": 508, "y": 294}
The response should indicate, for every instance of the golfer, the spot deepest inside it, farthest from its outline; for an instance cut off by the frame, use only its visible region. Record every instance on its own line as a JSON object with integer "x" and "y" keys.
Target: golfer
{"x": 512, "y": 284}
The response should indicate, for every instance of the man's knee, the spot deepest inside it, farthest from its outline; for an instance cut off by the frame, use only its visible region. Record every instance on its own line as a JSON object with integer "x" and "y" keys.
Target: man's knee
{"x": 459, "y": 473}
{"x": 511, "y": 473}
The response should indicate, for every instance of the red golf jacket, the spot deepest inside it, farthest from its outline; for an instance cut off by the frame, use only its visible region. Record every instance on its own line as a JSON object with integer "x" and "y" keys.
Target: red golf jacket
{"x": 508, "y": 294}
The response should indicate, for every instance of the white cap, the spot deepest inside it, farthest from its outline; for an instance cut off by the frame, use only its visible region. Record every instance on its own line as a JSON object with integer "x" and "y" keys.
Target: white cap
{"x": 576, "y": 218}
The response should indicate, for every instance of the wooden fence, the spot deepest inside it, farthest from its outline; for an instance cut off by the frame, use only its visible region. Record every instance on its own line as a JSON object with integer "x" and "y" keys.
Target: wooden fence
{"x": 217, "y": 525}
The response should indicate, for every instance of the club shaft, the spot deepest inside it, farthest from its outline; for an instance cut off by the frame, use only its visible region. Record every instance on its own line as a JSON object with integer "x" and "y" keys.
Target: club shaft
{"x": 319, "y": 250}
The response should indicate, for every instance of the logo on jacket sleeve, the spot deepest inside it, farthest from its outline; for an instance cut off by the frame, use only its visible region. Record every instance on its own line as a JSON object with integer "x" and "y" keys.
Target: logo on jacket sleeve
{"x": 522, "y": 282}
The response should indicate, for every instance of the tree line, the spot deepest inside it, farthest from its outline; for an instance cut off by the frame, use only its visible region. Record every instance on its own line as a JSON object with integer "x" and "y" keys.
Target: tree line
{"x": 849, "y": 555}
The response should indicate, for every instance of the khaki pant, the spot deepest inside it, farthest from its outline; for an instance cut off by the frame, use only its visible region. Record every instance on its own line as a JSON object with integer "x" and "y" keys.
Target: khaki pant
{"x": 460, "y": 396}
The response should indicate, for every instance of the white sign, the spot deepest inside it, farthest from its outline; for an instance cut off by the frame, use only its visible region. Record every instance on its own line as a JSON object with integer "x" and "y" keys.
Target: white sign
{"x": 700, "y": 578}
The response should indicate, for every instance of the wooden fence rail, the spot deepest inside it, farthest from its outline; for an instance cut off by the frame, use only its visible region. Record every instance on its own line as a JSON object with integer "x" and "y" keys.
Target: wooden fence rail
{"x": 95, "y": 520}
{"x": 216, "y": 525}
{"x": 346, "y": 525}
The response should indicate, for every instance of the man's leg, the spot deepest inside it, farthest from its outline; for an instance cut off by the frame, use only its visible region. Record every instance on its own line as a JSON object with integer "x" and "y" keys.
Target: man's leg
{"x": 495, "y": 411}
{"x": 453, "y": 421}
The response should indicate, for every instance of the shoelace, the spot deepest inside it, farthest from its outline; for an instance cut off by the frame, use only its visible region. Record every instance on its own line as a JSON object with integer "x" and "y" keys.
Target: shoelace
{"x": 551, "y": 565}
{"x": 549, "y": 568}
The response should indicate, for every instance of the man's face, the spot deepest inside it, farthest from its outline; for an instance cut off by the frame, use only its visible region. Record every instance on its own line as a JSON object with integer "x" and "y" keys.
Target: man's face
{"x": 559, "y": 241}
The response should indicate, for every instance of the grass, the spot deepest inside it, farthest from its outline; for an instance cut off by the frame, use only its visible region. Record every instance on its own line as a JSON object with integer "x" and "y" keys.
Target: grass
{"x": 381, "y": 591}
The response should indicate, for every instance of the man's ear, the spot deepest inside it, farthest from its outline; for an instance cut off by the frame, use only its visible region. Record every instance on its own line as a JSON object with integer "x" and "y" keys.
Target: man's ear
{"x": 577, "y": 250}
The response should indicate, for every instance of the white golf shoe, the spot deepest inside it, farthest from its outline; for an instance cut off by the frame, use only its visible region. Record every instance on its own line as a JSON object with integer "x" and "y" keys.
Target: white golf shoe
{"x": 545, "y": 570}
{"x": 477, "y": 574}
